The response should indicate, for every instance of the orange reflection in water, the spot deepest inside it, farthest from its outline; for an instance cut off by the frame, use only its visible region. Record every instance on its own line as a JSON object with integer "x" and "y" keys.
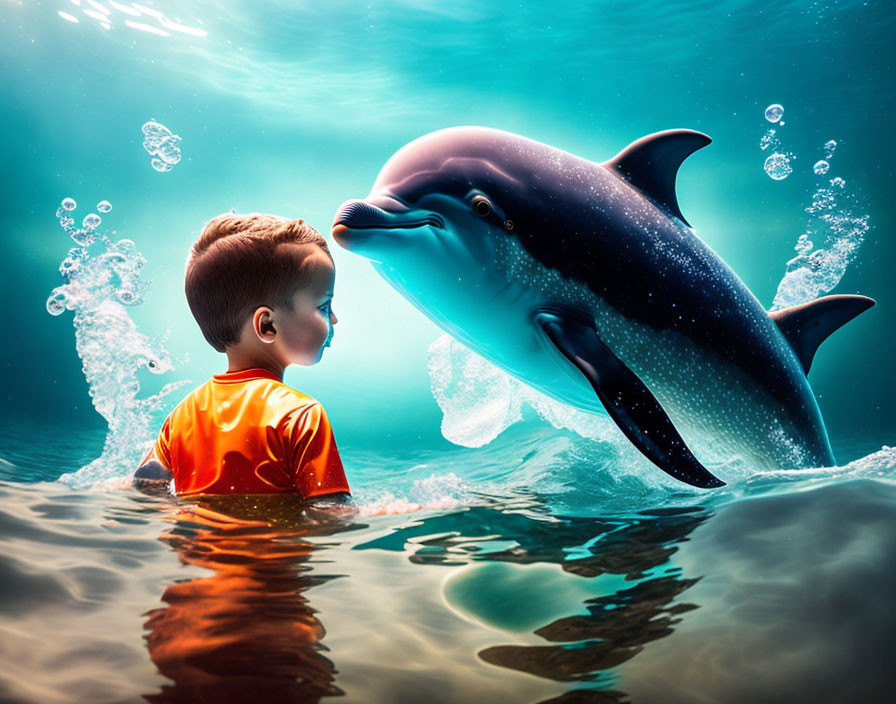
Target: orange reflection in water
{"x": 246, "y": 632}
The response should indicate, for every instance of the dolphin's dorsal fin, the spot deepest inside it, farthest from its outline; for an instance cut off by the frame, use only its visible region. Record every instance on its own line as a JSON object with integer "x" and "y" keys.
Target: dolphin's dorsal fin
{"x": 806, "y": 326}
{"x": 651, "y": 164}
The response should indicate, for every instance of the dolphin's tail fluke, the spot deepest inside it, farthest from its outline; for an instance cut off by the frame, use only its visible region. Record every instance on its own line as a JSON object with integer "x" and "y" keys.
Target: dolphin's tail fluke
{"x": 808, "y": 325}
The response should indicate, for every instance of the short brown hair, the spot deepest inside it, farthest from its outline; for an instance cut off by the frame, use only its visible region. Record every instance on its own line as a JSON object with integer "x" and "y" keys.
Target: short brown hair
{"x": 239, "y": 263}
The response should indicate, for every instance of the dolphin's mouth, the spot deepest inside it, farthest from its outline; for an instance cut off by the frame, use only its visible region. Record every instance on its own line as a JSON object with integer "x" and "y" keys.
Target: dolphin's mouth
{"x": 365, "y": 215}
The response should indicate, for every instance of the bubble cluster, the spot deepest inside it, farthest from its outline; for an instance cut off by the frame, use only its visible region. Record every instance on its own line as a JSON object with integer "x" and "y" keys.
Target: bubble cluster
{"x": 778, "y": 167}
{"x": 769, "y": 141}
{"x": 102, "y": 277}
{"x": 774, "y": 112}
{"x": 834, "y": 221}
{"x": 162, "y": 145}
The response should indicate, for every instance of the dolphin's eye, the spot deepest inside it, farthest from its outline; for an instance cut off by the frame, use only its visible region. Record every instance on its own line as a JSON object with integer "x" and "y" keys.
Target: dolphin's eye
{"x": 481, "y": 206}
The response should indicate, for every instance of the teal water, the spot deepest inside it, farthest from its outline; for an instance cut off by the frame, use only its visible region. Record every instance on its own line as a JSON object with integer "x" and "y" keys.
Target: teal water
{"x": 549, "y": 564}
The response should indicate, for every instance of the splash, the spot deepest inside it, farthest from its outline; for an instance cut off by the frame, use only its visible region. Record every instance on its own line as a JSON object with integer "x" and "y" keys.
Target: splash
{"x": 103, "y": 278}
{"x": 479, "y": 401}
{"x": 435, "y": 492}
{"x": 835, "y": 220}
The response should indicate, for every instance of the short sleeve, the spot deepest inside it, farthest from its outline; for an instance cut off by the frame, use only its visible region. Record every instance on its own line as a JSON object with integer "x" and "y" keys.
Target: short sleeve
{"x": 161, "y": 449}
{"x": 313, "y": 456}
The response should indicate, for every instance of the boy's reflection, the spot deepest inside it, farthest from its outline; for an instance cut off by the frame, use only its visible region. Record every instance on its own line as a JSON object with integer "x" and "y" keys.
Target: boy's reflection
{"x": 246, "y": 632}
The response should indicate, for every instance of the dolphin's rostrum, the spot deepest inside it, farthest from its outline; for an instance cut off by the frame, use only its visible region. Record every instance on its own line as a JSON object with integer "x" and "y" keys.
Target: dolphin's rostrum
{"x": 585, "y": 281}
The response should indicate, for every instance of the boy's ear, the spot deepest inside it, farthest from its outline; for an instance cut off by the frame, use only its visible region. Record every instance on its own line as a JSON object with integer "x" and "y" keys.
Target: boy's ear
{"x": 263, "y": 324}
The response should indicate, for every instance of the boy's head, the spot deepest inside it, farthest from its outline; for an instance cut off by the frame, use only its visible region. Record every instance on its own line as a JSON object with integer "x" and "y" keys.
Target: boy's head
{"x": 262, "y": 282}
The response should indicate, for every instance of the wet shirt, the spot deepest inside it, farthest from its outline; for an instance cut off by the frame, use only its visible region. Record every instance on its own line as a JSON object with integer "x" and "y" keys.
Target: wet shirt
{"x": 247, "y": 432}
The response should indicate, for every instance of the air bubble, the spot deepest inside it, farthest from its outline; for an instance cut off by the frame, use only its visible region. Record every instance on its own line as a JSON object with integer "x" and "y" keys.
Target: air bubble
{"x": 774, "y": 112}
{"x": 92, "y": 221}
{"x": 56, "y": 303}
{"x": 162, "y": 145}
{"x": 169, "y": 151}
{"x": 821, "y": 167}
{"x": 778, "y": 167}
{"x": 161, "y": 166}
{"x": 82, "y": 237}
{"x": 69, "y": 204}
{"x": 769, "y": 141}
{"x": 104, "y": 206}
{"x": 829, "y": 148}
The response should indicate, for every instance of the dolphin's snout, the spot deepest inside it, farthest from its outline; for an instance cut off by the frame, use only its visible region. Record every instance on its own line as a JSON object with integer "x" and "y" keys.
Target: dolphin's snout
{"x": 359, "y": 214}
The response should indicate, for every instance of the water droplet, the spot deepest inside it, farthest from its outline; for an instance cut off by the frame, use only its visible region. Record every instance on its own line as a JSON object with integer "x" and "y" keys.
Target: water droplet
{"x": 69, "y": 204}
{"x": 829, "y": 148}
{"x": 774, "y": 112}
{"x": 778, "y": 167}
{"x": 821, "y": 167}
{"x": 91, "y": 222}
{"x": 104, "y": 206}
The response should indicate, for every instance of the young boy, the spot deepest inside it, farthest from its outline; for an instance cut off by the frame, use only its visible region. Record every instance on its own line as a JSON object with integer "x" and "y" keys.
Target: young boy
{"x": 261, "y": 289}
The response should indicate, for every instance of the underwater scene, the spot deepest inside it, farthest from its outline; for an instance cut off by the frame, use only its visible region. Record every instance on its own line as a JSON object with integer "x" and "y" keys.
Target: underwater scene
{"x": 605, "y": 438}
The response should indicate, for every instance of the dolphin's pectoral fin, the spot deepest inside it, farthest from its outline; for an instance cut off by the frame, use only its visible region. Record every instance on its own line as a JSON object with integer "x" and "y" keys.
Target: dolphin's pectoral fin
{"x": 808, "y": 325}
{"x": 627, "y": 400}
{"x": 651, "y": 164}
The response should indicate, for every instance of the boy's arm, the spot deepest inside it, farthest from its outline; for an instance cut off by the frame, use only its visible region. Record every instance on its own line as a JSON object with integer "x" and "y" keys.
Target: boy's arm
{"x": 331, "y": 507}
{"x": 153, "y": 476}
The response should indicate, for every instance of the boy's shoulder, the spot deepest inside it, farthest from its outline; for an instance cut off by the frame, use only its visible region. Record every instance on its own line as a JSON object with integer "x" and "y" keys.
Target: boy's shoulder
{"x": 261, "y": 396}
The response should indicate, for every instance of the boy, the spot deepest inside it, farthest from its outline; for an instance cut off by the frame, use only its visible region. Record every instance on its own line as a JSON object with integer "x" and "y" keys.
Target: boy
{"x": 261, "y": 290}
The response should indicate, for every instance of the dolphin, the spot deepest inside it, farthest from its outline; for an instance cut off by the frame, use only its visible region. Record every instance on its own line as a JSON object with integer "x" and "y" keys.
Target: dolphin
{"x": 585, "y": 281}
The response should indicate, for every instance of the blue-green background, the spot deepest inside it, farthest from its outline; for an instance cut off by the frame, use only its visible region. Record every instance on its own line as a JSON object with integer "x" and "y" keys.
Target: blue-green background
{"x": 291, "y": 108}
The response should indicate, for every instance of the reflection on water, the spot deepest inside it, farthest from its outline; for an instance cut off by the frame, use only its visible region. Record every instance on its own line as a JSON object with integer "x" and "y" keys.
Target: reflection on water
{"x": 247, "y": 632}
{"x": 613, "y": 628}
{"x": 494, "y": 601}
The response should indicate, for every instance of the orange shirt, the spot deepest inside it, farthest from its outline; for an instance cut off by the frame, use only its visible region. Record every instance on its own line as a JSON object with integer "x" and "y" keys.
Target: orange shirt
{"x": 247, "y": 432}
